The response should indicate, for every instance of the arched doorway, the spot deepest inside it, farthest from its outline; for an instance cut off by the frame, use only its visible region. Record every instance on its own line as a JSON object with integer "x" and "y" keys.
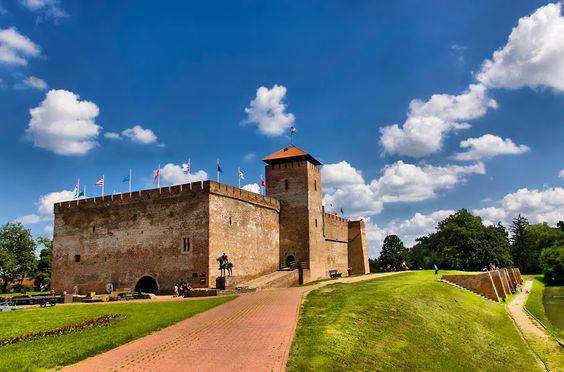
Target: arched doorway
{"x": 147, "y": 284}
{"x": 290, "y": 261}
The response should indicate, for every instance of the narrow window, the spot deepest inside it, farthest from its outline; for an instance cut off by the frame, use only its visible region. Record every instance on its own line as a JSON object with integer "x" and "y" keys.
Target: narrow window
{"x": 186, "y": 245}
{"x": 315, "y": 185}
{"x": 76, "y": 258}
{"x": 230, "y": 222}
{"x": 285, "y": 184}
{"x": 316, "y": 222}
{"x": 194, "y": 275}
{"x": 94, "y": 228}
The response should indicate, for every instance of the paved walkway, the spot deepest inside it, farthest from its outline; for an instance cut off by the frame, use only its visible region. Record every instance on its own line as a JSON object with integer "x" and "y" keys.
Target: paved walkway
{"x": 253, "y": 332}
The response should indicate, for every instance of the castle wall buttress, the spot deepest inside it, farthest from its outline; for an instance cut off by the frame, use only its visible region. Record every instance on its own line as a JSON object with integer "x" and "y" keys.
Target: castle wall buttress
{"x": 357, "y": 250}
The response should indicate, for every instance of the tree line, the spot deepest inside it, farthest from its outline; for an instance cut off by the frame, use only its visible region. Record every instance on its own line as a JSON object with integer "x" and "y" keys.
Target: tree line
{"x": 18, "y": 260}
{"x": 462, "y": 242}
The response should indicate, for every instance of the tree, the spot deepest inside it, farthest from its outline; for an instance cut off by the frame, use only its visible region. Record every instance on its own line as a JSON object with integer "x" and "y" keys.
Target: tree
{"x": 552, "y": 263}
{"x": 539, "y": 237}
{"x": 393, "y": 254}
{"x": 462, "y": 242}
{"x": 519, "y": 246}
{"x": 43, "y": 274}
{"x": 17, "y": 254}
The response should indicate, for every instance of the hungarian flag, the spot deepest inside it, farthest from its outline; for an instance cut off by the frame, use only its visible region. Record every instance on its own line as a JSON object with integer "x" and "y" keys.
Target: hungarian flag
{"x": 75, "y": 190}
{"x": 186, "y": 168}
{"x": 263, "y": 183}
{"x": 80, "y": 194}
{"x": 156, "y": 175}
{"x": 219, "y": 168}
{"x": 100, "y": 182}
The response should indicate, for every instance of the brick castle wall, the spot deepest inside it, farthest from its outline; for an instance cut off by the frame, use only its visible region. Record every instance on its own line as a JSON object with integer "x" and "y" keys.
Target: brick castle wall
{"x": 481, "y": 283}
{"x": 357, "y": 249}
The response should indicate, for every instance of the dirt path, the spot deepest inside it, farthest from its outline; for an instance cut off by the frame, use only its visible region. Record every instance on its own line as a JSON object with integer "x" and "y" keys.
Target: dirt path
{"x": 517, "y": 311}
{"x": 253, "y": 332}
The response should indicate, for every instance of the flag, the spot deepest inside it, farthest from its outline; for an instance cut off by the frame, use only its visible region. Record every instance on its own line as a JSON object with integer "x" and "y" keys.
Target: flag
{"x": 263, "y": 183}
{"x": 75, "y": 190}
{"x": 126, "y": 178}
{"x": 186, "y": 167}
{"x": 219, "y": 168}
{"x": 292, "y": 130}
{"x": 241, "y": 175}
{"x": 342, "y": 212}
{"x": 100, "y": 182}
{"x": 80, "y": 194}
{"x": 156, "y": 175}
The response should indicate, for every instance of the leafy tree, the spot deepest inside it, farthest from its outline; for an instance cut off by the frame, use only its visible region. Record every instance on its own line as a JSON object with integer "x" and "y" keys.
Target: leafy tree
{"x": 539, "y": 237}
{"x": 393, "y": 254}
{"x": 17, "y": 254}
{"x": 519, "y": 246}
{"x": 462, "y": 242}
{"x": 552, "y": 263}
{"x": 43, "y": 275}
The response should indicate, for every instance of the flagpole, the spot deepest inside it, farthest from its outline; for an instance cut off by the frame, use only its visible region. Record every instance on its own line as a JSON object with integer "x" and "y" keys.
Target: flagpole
{"x": 159, "y": 177}
{"x": 239, "y": 176}
{"x": 217, "y": 169}
{"x": 77, "y": 188}
{"x": 84, "y": 192}
{"x": 103, "y": 184}
{"x": 189, "y": 170}
{"x": 129, "y": 181}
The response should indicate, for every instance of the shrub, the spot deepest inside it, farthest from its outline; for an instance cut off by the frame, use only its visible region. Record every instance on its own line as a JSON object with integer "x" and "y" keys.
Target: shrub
{"x": 552, "y": 263}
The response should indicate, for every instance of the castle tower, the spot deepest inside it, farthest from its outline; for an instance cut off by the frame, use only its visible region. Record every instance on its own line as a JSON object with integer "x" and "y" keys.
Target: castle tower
{"x": 293, "y": 177}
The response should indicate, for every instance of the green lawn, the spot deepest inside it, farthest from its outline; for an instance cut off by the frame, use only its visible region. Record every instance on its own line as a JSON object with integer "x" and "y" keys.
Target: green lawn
{"x": 138, "y": 319}
{"x": 536, "y": 307}
{"x": 405, "y": 322}
{"x": 30, "y": 293}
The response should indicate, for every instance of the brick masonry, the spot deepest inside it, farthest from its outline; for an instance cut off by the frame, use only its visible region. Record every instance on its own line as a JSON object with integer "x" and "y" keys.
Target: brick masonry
{"x": 178, "y": 232}
{"x": 490, "y": 284}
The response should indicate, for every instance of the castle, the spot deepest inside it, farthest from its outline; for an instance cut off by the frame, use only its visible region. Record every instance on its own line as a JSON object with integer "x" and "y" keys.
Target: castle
{"x": 148, "y": 240}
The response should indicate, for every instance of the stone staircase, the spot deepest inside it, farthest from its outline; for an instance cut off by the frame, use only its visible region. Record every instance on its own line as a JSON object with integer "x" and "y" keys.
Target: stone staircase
{"x": 277, "y": 279}
{"x": 466, "y": 289}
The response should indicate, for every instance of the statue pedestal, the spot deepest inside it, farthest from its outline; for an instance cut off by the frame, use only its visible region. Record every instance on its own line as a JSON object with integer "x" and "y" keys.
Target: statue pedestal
{"x": 224, "y": 282}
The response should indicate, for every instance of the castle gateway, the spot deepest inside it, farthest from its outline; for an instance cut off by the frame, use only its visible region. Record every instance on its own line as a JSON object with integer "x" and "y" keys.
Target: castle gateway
{"x": 149, "y": 240}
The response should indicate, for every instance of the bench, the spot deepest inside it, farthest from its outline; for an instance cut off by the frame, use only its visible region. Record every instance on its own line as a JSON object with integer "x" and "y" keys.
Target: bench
{"x": 335, "y": 274}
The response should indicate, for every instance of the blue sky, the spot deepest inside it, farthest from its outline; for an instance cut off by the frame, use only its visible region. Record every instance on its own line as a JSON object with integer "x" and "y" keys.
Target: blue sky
{"x": 172, "y": 82}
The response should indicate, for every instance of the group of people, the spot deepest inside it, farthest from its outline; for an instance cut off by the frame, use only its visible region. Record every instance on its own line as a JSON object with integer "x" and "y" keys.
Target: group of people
{"x": 182, "y": 289}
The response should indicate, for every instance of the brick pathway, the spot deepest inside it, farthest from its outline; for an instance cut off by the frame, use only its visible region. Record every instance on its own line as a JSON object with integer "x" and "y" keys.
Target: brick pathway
{"x": 253, "y": 332}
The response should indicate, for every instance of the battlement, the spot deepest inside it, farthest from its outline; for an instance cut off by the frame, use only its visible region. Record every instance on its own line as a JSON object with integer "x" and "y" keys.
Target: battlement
{"x": 167, "y": 192}
{"x": 294, "y": 164}
{"x": 329, "y": 216}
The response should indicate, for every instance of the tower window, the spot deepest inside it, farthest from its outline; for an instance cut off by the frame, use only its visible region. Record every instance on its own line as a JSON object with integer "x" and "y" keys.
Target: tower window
{"x": 315, "y": 185}
{"x": 186, "y": 245}
{"x": 94, "y": 228}
{"x": 316, "y": 222}
{"x": 286, "y": 185}
{"x": 230, "y": 221}
{"x": 76, "y": 258}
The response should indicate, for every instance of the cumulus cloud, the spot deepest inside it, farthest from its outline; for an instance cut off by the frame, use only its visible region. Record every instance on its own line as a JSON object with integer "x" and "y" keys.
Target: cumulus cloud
{"x": 268, "y": 111}
{"x": 408, "y": 230}
{"x": 140, "y": 135}
{"x": 45, "y": 207}
{"x": 252, "y": 187}
{"x": 488, "y": 146}
{"x": 16, "y": 48}
{"x": 561, "y": 174}
{"x": 345, "y": 186}
{"x": 402, "y": 182}
{"x": 250, "y": 157}
{"x": 533, "y": 56}
{"x": 64, "y": 124}
{"x": 172, "y": 174}
{"x": 35, "y": 83}
{"x": 428, "y": 122}
{"x": 112, "y": 136}
{"x": 48, "y": 9}
{"x": 537, "y": 205}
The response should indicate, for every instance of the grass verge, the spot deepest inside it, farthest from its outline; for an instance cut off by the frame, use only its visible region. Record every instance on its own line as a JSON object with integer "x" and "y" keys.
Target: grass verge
{"x": 405, "y": 322}
{"x": 536, "y": 307}
{"x": 137, "y": 319}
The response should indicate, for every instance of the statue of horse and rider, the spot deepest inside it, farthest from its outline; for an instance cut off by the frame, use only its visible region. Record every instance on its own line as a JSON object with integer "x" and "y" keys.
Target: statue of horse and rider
{"x": 225, "y": 265}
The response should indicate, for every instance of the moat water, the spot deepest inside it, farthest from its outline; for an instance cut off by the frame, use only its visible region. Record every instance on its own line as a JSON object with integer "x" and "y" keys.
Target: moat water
{"x": 553, "y": 300}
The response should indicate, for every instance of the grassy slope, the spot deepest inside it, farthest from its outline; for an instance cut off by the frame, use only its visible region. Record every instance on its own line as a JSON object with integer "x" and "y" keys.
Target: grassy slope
{"x": 141, "y": 318}
{"x": 405, "y": 322}
{"x": 535, "y": 306}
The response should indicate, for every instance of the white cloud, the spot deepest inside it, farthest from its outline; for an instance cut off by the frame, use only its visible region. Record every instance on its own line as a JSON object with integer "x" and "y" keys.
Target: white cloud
{"x": 50, "y": 9}
{"x": 138, "y": 134}
{"x": 345, "y": 187}
{"x": 112, "y": 136}
{"x": 408, "y": 230}
{"x": 267, "y": 111}
{"x": 64, "y": 124}
{"x": 252, "y": 187}
{"x": 537, "y": 205}
{"x": 401, "y": 182}
{"x": 561, "y": 174}
{"x": 15, "y": 48}
{"x": 429, "y": 122}
{"x": 250, "y": 157}
{"x": 173, "y": 175}
{"x": 488, "y": 146}
{"x": 533, "y": 55}
{"x": 45, "y": 207}
{"x": 35, "y": 83}
{"x": 48, "y": 229}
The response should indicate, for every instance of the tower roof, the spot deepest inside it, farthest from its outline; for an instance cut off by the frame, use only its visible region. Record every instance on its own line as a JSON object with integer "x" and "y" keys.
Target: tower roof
{"x": 290, "y": 153}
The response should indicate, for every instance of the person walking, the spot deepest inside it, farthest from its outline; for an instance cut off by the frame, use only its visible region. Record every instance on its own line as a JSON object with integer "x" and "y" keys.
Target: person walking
{"x": 175, "y": 294}
{"x": 436, "y": 272}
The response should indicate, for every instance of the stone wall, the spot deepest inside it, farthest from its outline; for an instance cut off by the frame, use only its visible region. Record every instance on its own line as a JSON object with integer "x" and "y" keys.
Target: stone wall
{"x": 247, "y": 232}
{"x": 500, "y": 288}
{"x": 357, "y": 249}
{"x": 481, "y": 283}
{"x": 118, "y": 239}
